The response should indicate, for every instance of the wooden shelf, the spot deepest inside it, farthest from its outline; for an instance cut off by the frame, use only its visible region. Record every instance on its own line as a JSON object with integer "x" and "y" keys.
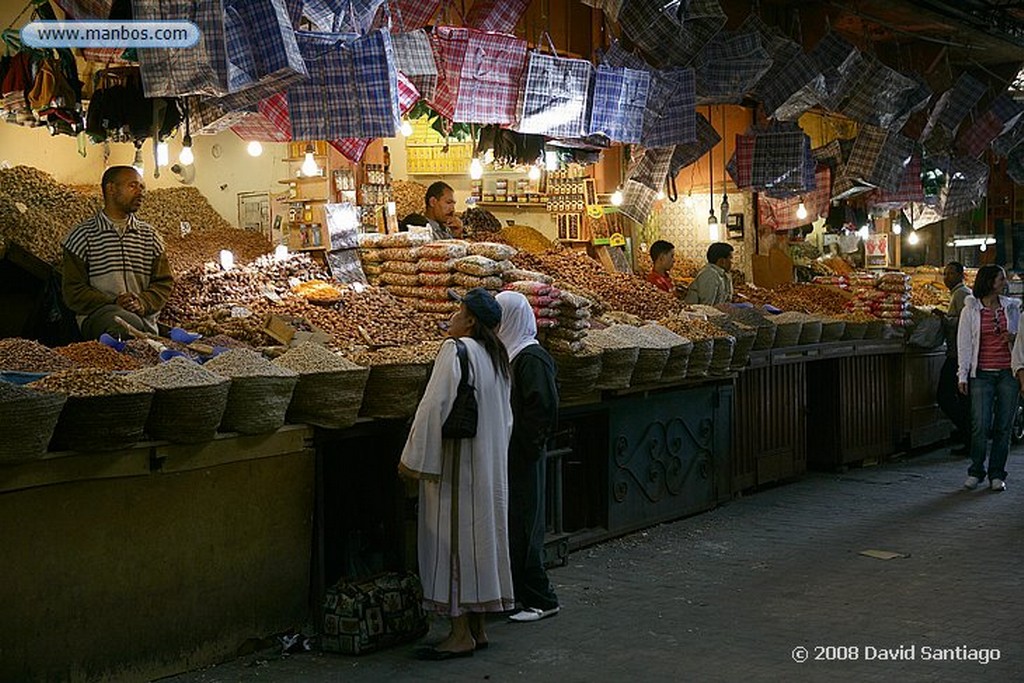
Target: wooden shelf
{"x": 543, "y": 206}
{"x": 303, "y": 158}
{"x": 313, "y": 179}
{"x": 297, "y": 200}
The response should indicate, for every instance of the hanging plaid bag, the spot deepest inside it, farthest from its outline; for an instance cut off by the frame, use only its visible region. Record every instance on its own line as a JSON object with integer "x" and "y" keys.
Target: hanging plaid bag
{"x": 414, "y": 57}
{"x": 1004, "y": 112}
{"x": 780, "y": 159}
{"x": 353, "y": 149}
{"x": 669, "y": 117}
{"x": 263, "y": 56}
{"x": 415, "y": 14}
{"x": 955, "y": 104}
{"x": 878, "y": 160}
{"x": 496, "y": 15}
{"x": 620, "y": 98}
{"x": 637, "y": 201}
{"x": 684, "y": 155}
{"x": 652, "y": 167}
{"x": 198, "y": 70}
{"x": 882, "y": 96}
{"x": 730, "y": 66}
{"x": 671, "y": 32}
{"x": 909, "y": 190}
{"x": 555, "y": 95}
{"x": 491, "y": 77}
{"x": 837, "y": 60}
{"x": 352, "y": 89}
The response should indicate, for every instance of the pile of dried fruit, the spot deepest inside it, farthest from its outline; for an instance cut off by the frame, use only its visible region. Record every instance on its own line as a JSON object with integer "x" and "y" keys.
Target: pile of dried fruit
{"x": 792, "y": 296}
{"x": 93, "y": 354}
{"x": 86, "y": 382}
{"x": 25, "y": 355}
{"x": 409, "y": 197}
{"x": 177, "y": 373}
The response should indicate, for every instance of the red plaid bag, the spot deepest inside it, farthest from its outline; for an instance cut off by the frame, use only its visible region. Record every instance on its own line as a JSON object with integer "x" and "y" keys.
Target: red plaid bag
{"x": 909, "y": 190}
{"x": 408, "y": 15}
{"x": 256, "y": 126}
{"x": 741, "y": 166}
{"x": 979, "y": 135}
{"x": 275, "y": 109}
{"x": 496, "y": 15}
{"x": 480, "y": 75}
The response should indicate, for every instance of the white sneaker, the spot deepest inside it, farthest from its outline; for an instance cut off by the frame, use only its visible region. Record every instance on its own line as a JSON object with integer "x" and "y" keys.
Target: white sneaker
{"x": 533, "y": 614}
{"x": 997, "y": 485}
{"x": 971, "y": 483}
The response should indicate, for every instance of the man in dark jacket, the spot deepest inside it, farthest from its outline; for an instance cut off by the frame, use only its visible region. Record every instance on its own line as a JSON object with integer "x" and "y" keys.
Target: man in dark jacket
{"x": 534, "y": 415}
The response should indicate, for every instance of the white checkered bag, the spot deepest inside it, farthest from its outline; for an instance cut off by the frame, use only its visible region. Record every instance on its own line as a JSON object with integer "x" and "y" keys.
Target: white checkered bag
{"x": 556, "y": 95}
{"x": 620, "y": 100}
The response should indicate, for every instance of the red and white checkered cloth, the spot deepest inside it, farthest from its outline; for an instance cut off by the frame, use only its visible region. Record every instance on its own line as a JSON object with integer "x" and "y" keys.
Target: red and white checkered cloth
{"x": 979, "y": 135}
{"x": 741, "y": 166}
{"x": 480, "y": 75}
{"x": 910, "y": 189}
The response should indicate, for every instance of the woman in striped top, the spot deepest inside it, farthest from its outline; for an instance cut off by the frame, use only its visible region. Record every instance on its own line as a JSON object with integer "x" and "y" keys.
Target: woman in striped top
{"x": 989, "y": 323}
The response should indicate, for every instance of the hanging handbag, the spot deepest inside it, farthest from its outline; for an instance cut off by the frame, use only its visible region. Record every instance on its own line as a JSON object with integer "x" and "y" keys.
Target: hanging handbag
{"x": 461, "y": 421}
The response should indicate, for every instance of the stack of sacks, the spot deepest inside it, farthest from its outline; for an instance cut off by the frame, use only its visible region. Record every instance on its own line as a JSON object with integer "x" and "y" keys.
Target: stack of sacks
{"x": 435, "y": 272}
{"x": 484, "y": 266}
{"x": 888, "y": 299}
{"x": 371, "y": 255}
{"x": 544, "y": 299}
{"x": 390, "y": 260}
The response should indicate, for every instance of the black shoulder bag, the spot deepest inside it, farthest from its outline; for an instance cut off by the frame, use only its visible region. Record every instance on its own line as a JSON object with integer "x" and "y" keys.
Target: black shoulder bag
{"x": 461, "y": 421}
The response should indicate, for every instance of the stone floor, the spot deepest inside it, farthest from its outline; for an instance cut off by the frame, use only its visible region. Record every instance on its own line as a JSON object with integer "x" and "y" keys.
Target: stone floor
{"x": 743, "y": 592}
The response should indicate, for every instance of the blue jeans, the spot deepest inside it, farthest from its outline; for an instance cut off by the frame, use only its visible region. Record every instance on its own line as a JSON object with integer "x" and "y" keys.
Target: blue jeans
{"x": 993, "y": 395}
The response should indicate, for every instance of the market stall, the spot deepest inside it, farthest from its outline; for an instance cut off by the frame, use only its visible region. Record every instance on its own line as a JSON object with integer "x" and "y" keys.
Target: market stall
{"x": 260, "y": 425}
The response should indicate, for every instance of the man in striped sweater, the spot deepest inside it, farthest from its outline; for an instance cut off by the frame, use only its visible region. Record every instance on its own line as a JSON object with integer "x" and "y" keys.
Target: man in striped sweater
{"x": 114, "y": 264}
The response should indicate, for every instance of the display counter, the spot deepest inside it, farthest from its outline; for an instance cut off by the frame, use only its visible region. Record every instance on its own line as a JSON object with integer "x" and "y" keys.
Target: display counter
{"x": 145, "y": 562}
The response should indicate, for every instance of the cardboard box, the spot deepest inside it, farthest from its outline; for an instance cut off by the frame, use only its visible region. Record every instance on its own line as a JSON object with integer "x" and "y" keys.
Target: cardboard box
{"x": 284, "y": 329}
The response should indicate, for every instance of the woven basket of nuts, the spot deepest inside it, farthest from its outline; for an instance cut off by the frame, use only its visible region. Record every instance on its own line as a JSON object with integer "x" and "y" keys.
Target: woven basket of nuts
{"x": 188, "y": 400}
{"x": 330, "y": 389}
{"x": 260, "y": 391}
{"x": 27, "y": 421}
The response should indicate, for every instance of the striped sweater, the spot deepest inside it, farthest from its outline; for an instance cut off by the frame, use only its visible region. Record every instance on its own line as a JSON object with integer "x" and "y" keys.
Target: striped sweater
{"x": 100, "y": 263}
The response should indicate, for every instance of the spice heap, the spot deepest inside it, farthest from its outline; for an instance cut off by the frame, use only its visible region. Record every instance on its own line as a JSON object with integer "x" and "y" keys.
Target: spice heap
{"x": 792, "y": 296}
{"x": 414, "y": 354}
{"x": 613, "y": 291}
{"x": 93, "y": 354}
{"x": 177, "y": 373}
{"x": 311, "y": 359}
{"x": 480, "y": 221}
{"x": 25, "y": 355}
{"x": 246, "y": 363}
{"x": 524, "y": 238}
{"x": 88, "y": 382}
{"x": 692, "y": 328}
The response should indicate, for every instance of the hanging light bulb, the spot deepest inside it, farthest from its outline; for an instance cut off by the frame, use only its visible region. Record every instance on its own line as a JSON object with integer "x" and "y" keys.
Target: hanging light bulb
{"x": 551, "y": 160}
{"x": 617, "y": 198}
{"x": 660, "y": 195}
{"x": 309, "y": 167}
{"x": 724, "y": 208}
{"x": 534, "y": 173}
{"x": 163, "y": 154}
{"x": 801, "y": 211}
{"x": 897, "y": 229}
{"x": 137, "y": 163}
{"x": 712, "y": 224}
{"x": 983, "y": 247}
{"x": 186, "y": 158}
{"x": 476, "y": 169}
{"x": 913, "y": 238}
{"x": 406, "y": 128}
{"x": 688, "y": 199}
{"x": 254, "y": 148}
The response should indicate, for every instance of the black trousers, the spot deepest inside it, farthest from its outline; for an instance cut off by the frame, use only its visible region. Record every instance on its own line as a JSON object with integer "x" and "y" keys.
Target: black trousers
{"x": 526, "y": 529}
{"x": 955, "y": 405}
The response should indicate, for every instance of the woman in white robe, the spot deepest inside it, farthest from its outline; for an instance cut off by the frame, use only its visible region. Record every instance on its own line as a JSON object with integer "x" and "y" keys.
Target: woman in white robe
{"x": 463, "y": 491}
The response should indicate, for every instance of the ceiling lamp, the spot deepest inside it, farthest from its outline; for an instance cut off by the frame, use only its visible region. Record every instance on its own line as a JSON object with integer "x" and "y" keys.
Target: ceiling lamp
{"x": 724, "y": 208}
{"x": 913, "y": 238}
{"x": 801, "y": 211}
{"x": 137, "y": 163}
{"x": 186, "y": 158}
{"x": 406, "y": 128}
{"x": 712, "y": 218}
{"x": 163, "y": 154}
{"x": 254, "y": 148}
{"x": 534, "y": 173}
{"x": 617, "y": 198}
{"x": 476, "y": 169}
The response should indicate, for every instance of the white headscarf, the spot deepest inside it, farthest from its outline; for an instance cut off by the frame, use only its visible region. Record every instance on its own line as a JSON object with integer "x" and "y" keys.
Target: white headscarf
{"x": 518, "y": 327}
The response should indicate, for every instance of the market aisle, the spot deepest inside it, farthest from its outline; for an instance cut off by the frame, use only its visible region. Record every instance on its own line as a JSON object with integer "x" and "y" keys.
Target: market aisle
{"x": 728, "y": 595}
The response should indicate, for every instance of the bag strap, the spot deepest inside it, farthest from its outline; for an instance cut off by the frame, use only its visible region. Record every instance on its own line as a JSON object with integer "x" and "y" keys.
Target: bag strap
{"x": 460, "y": 350}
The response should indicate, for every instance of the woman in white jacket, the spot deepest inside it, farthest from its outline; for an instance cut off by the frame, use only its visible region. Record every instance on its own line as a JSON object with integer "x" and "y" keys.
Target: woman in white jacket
{"x": 989, "y": 323}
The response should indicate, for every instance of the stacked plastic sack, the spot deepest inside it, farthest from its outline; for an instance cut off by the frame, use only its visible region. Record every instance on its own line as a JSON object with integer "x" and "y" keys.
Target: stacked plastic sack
{"x": 887, "y": 299}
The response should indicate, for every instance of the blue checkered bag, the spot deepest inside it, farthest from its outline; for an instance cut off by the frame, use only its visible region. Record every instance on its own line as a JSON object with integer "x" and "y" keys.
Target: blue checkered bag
{"x": 555, "y": 96}
{"x": 671, "y": 32}
{"x": 794, "y": 83}
{"x": 178, "y": 71}
{"x": 637, "y": 201}
{"x": 730, "y": 66}
{"x": 651, "y": 169}
{"x": 620, "y": 99}
{"x": 955, "y": 104}
{"x": 669, "y": 115}
{"x": 263, "y": 57}
{"x": 686, "y": 154}
{"x": 881, "y": 96}
{"x": 838, "y": 61}
{"x": 352, "y": 89}
{"x": 330, "y": 16}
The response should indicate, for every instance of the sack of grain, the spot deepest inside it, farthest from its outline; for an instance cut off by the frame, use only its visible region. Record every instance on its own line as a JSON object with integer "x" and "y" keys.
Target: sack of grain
{"x": 492, "y": 250}
{"x": 481, "y": 266}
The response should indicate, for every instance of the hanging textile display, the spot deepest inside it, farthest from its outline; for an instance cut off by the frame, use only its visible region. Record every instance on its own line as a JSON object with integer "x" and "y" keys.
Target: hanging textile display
{"x": 480, "y": 75}
{"x": 837, "y": 60}
{"x": 878, "y": 160}
{"x": 910, "y": 189}
{"x": 178, "y": 71}
{"x": 555, "y": 95}
{"x": 793, "y": 84}
{"x": 652, "y": 166}
{"x": 955, "y": 104}
{"x": 671, "y": 32}
{"x": 353, "y": 149}
{"x": 414, "y": 57}
{"x": 780, "y": 159}
{"x": 1002, "y": 114}
{"x": 331, "y": 16}
{"x": 637, "y": 201}
{"x": 881, "y": 96}
{"x": 352, "y": 89}
{"x": 410, "y": 15}
{"x": 669, "y": 115}
{"x": 729, "y": 67}
{"x": 620, "y": 99}
{"x": 689, "y": 153}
